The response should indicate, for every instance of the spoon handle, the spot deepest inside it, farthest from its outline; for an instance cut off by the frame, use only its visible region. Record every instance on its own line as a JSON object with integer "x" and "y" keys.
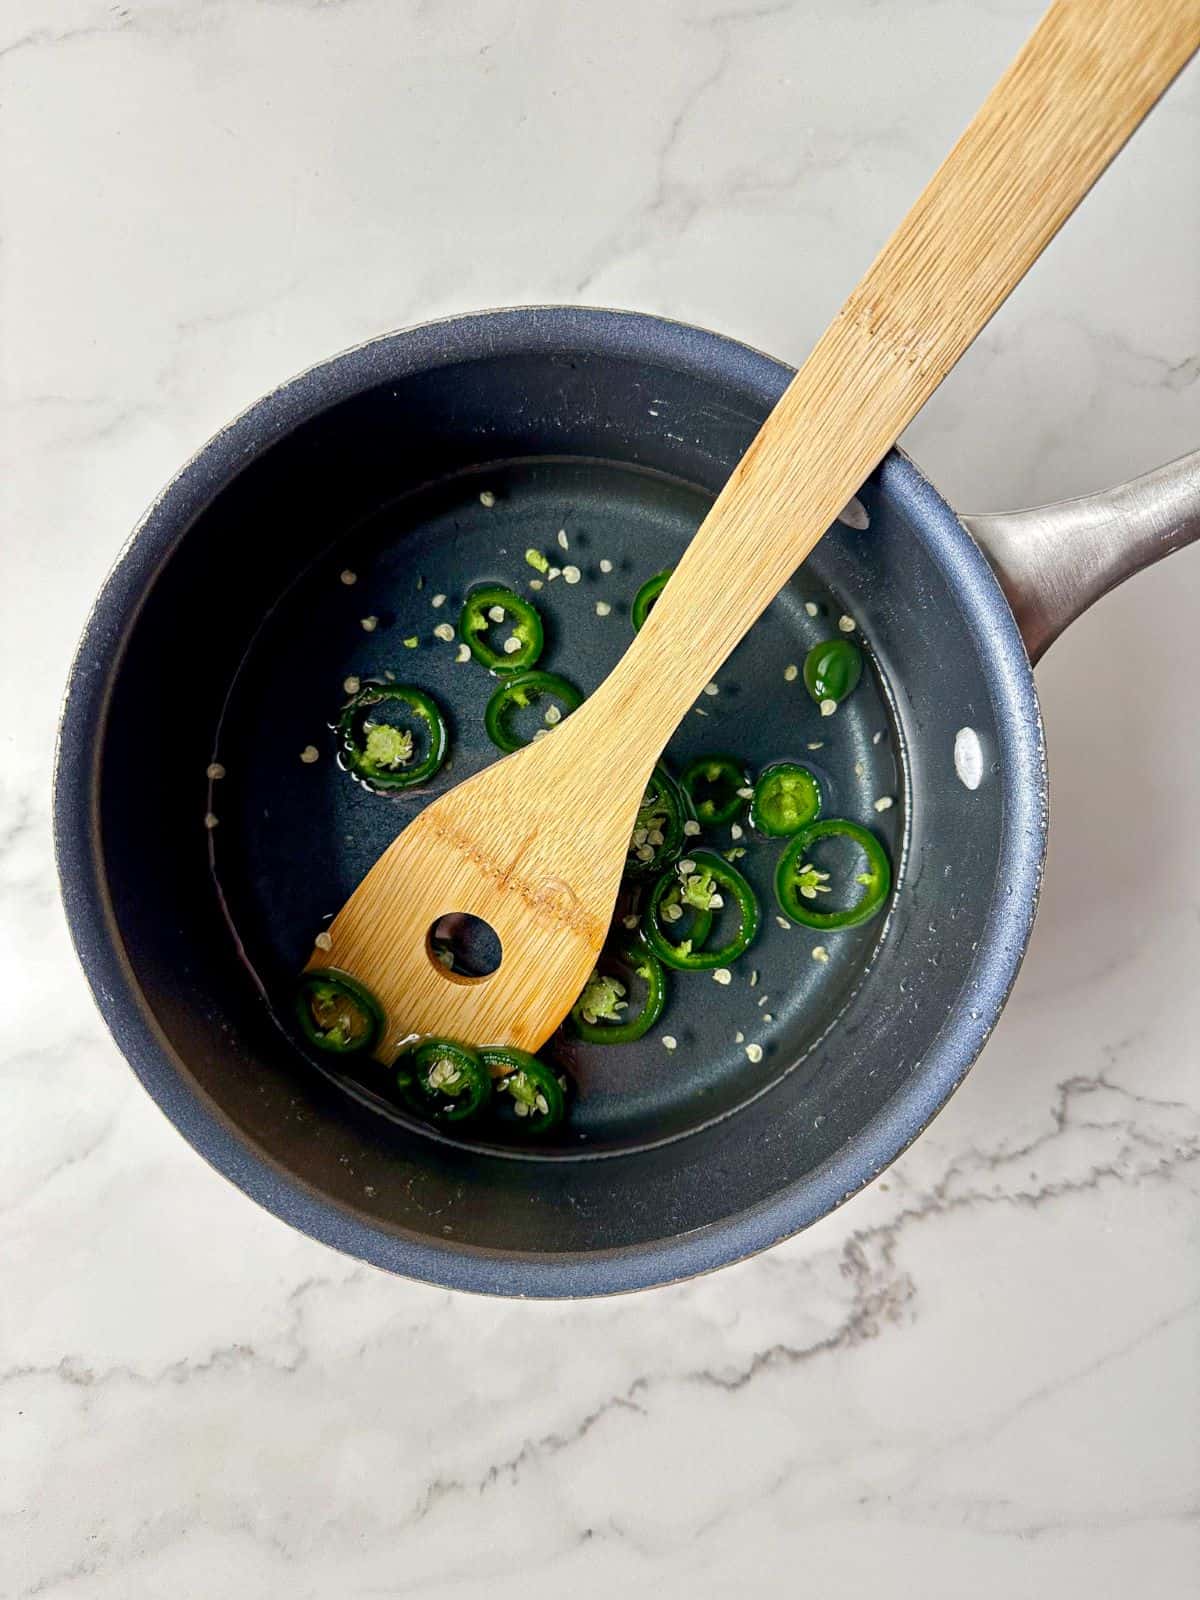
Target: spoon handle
{"x": 1081, "y": 85}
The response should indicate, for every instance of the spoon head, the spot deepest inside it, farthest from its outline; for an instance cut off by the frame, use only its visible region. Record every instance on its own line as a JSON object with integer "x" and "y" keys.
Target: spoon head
{"x": 506, "y": 847}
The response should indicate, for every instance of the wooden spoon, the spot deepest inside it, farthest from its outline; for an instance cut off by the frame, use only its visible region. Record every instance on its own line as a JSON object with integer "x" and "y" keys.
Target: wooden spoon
{"x": 535, "y": 844}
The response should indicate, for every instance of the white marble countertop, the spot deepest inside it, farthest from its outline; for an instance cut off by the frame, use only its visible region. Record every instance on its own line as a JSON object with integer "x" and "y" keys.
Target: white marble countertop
{"x": 982, "y": 1377}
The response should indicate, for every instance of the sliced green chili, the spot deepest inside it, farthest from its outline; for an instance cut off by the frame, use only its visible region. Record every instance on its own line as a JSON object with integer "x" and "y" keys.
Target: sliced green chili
{"x": 701, "y": 881}
{"x": 443, "y": 1080}
{"x": 534, "y": 1091}
{"x": 643, "y": 600}
{"x": 491, "y": 607}
{"x": 832, "y": 670}
{"x": 713, "y": 785}
{"x": 523, "y": 690}
{"x": 382, "y": 755}
{"x": 786, "y": 798}
{"x": 799, "y": 884}
{"x": 657, "y": 836}
{"x": 600, "y": 1015}
{"x": 337, "y": 1013}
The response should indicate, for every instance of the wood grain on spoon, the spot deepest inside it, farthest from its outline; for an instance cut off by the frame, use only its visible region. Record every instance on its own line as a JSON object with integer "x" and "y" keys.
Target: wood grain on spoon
{"x": 535, "y": 844}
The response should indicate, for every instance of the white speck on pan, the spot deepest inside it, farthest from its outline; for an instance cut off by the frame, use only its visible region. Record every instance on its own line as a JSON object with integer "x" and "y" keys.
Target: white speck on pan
{"x": 854, "y": 514}
{"x": 968, "y": 758}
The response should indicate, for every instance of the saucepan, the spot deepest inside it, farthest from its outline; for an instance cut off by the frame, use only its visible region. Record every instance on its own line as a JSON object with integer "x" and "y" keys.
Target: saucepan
{"x": 203, "y": 830}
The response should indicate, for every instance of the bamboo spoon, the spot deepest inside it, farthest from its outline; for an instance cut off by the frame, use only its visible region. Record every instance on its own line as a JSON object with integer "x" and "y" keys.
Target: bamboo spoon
{"x": 535, "y": 844}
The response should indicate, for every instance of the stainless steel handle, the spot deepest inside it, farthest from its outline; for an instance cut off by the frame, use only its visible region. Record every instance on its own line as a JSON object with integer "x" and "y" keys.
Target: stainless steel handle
{"x": 1055, "y": 561}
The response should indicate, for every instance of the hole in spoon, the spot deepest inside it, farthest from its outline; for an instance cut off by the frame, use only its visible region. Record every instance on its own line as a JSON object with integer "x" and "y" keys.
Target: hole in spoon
{"x": 464, "y": 946}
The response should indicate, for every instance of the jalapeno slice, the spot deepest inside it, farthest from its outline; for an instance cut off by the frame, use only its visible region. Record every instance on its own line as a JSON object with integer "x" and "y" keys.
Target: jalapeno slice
{"x": 491, "y": 607}
{"x": 600, "y": 1015}
{"x": 831, "y": 671}
{"x": 516, "y": 693}
{"x": 383, "y": 755}
{"x": 643, "y": 600}
{"x": 799, "y": 883}
{"x": 337, "y": 1013}
{"x": 444, "y": 1081}
{"x": 657, "y": 836}
{"x": 702, "y": 881}
{"x": 713, "y": 785}
{"x": 531, "y": 1089}
{"x": 787, "y": 798}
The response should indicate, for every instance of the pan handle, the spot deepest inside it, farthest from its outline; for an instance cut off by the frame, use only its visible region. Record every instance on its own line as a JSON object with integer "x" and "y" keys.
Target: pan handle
{"x": 1055, "y": 561}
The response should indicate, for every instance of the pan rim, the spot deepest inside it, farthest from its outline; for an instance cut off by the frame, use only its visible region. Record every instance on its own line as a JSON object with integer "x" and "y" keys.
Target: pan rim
{"x": 97, "y": 940}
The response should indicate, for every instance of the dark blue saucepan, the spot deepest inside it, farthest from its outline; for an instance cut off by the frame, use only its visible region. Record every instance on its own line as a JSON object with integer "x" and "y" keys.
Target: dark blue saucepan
{"x": 225, "y": 633}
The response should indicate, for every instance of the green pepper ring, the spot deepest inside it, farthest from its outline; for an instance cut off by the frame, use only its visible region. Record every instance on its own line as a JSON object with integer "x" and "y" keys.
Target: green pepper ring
{"x": 773, "y": 810}
{"x": 642, "y": 960}
{"x": 473, "y": 622}
{"x": 875, "y": 892}
{"x": 832, "y": 670}
{"x": 412, "y": 1080}
{"x": 362, "y": 998}
{"x": 694, "y": 960}
{"x": 514, "y": 1064}
{"x": 712, "y": 769}
{"x": 530, "y": 684}
{"x": 354, "y": 755}
{"x": 664, "y": 795}
{"x": 643, "y": 600}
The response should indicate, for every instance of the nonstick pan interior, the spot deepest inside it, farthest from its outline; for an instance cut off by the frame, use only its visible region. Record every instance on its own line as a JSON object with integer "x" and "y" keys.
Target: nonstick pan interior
{"x": 412, "y": 562}
{"x": 225, "y": 632}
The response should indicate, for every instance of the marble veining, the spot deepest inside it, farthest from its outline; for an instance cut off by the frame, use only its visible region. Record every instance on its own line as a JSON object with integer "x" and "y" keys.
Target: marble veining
{"x": 980, "y": 1377}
